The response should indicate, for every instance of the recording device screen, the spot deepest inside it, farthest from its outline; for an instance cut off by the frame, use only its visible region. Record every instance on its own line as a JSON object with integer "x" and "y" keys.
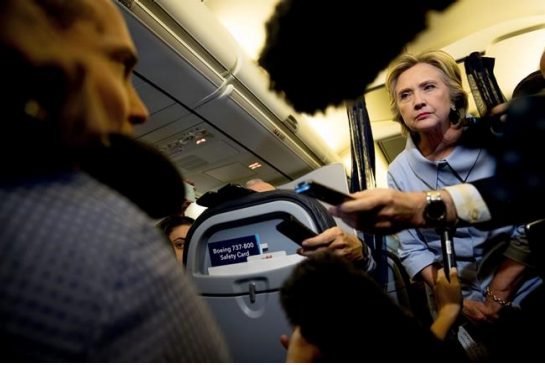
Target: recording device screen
{"x": 295, "y": 230}
{"x": 322, "y": 192}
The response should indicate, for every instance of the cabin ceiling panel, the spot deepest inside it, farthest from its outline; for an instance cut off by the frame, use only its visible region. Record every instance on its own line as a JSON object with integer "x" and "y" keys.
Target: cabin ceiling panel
{"x": 230, "y": 172}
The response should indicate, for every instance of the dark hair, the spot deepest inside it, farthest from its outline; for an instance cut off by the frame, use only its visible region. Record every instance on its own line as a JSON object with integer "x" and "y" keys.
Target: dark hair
{"x": 169, "y": 223}
{"x": 531, "y": 84}
{"x": 159, "y": 190}
{"x": 342, "y": 311}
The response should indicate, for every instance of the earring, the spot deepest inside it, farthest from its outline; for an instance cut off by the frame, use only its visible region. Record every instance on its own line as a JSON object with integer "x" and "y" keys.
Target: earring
{"x": 35, "y": 110}
{"x": 454, "y": 116}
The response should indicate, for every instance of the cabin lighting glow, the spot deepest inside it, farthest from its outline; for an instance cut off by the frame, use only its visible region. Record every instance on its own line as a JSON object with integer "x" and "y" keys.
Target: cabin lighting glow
{"x": 201, "y": 140}
{"x": 254, "y": 165}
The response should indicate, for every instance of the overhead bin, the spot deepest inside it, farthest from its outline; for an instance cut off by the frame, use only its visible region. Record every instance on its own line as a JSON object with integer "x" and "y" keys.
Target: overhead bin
{"x": 186, "y": 53}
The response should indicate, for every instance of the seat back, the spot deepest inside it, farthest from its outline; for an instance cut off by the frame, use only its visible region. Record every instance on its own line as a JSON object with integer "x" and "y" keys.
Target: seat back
{"x": 239, "y": 261}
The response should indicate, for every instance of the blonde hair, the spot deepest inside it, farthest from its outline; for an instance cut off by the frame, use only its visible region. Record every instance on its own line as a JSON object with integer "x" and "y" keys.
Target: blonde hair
{"x": 450, "y": 73}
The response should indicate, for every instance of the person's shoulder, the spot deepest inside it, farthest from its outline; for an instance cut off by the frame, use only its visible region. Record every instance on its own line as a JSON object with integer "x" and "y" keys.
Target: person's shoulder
{"x": 101, "y": 214}
{"x": 399, "y": 163}
{"x": 107, "y": 202}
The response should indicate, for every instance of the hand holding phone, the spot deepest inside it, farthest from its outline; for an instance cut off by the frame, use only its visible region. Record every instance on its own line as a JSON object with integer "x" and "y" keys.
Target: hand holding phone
{"x": 322, "y": 192}
{"x": 295, "y": 230}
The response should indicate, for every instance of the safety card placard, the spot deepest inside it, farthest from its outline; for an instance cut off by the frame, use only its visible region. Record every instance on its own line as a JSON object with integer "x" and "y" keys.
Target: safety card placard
{"x": 233, "y": 250}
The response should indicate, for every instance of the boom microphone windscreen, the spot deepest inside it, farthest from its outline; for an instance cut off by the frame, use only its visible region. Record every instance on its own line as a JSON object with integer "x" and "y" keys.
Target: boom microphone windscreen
{"x": 321, "y": 53}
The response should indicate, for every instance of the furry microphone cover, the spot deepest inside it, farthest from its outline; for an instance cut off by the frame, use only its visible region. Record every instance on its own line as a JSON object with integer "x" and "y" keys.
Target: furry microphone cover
{"x": 321, "y": 53}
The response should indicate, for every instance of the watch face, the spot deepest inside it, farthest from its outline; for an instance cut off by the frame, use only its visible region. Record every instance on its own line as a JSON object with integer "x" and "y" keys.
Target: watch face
{"x": 435, "y": 209}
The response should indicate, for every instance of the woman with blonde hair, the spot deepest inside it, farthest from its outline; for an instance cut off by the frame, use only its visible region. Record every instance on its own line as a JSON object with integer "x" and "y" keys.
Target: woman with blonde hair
{"x": 428, "y": 99}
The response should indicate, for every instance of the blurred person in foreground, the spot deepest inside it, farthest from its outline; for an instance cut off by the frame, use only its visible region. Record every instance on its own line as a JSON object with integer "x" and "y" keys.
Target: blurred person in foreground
{"x": 340, "y": 314}
{"x": 84, "y": 275}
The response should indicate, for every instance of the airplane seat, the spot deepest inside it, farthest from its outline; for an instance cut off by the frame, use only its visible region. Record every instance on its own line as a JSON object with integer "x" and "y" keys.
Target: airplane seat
{"x": 412, "y": 296}
{"x": 397, "y": 280}
{"x": 238, "y": 261}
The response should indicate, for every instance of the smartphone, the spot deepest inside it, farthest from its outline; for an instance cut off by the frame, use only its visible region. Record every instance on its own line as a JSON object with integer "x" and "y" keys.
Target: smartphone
{"x": 292, "y": 228}
{"x": 322, "y": 192}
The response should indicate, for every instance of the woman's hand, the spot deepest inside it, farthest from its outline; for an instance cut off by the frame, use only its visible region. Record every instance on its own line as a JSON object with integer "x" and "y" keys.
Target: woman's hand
{"x": 481, "y": 312}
